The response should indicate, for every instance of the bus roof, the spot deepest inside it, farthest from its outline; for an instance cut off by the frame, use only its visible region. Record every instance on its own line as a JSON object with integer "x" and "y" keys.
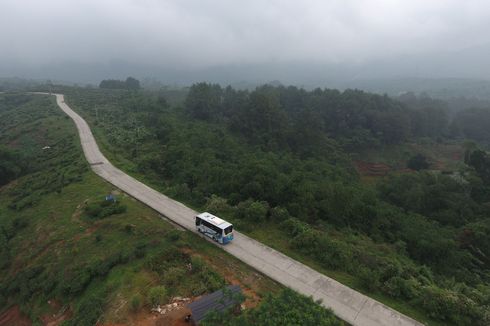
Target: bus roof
{"x": 215, "y": 220}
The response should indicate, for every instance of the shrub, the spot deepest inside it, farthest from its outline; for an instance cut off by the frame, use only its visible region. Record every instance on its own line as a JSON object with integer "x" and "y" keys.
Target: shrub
{"x": 173, "y": 275}
{"x": 253, "y": 210}
{"x": 294, "y": 226}
{"x": 104, "y": 208}
{"x": 136, "y": 302}
{"x": 79, "y": 279}
{"x": 280, "y": 214}
{"x": 88, "y": 310}
{"x": 157, "y": 295}
{"x": 418, "y": 162}
{"x": 369, "y": 279}
{"x": 217, "y": 205}
{"x": 451, "y": 306}
{"x": 212, "y": 280}
{"x": 397, "y": 287}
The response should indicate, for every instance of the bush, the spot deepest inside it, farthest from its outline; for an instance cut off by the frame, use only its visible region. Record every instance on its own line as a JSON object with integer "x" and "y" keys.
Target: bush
{"x": 418, "y": 162}
{"x": 280, "y": 214}
{"x": 253, "y": 210}
{"x": 88, "y": 310}
{"x": 136, "y": 302}
{"x": 75, "y": 283}
{"x": 369, "y": 279}
{"x": 157, "y": 295}
{"x": 294, "y": 226}
{"x": 173, "y": 275}
{"x": 104, "y": 208}
{"x": 217, "y": 205}
{"x": 212, "y": 280}
{"x": 450, "y": 306}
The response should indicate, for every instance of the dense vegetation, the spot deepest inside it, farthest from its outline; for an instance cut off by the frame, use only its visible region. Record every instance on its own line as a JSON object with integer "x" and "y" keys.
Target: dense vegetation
{"x": 285, "y": 308}
{"x": 276, "y": 161}
{"x": 66, "y": 251}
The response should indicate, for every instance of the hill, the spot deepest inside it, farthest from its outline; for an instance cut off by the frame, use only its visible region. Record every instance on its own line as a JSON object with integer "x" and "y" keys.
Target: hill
{"x": 277, "y": 161}
{"x": 69, "y": 256}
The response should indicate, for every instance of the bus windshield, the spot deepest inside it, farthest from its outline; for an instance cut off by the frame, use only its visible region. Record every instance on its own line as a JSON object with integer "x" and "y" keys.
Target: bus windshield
{"x": 228, "y": 229}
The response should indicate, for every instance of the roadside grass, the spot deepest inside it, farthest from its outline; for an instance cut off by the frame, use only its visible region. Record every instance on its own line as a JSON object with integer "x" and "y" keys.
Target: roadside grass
{"x": 276, "y": 238}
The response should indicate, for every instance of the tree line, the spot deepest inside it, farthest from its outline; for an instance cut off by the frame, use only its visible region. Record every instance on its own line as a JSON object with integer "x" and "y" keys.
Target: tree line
{"x": 130, "y": 84}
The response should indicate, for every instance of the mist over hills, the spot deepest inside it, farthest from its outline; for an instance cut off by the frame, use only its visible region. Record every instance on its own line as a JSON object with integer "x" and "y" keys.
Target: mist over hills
{"x": 442, "y": 74}
{"x": 249, "y": 77}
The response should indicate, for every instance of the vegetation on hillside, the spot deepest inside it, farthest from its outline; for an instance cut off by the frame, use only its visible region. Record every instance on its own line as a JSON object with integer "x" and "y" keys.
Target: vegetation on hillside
{"x": 276, "y": 162}
{"x": 285, "y": 308}
{"x": 65, "y": 251}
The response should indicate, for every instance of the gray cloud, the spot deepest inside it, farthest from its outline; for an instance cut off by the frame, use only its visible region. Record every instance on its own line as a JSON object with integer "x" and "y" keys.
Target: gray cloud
{"x": 198, "y": 34}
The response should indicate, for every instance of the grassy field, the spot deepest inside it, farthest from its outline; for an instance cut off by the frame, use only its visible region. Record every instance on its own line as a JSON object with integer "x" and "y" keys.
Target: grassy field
{"x": 60, "y": 262}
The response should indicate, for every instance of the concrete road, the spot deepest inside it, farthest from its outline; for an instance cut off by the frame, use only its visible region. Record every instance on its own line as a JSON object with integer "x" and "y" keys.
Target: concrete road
{"x": 349, "y": 305}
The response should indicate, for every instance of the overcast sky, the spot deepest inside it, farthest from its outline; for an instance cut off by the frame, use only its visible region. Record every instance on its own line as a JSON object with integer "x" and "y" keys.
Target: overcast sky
{"x": 196, "y": 34}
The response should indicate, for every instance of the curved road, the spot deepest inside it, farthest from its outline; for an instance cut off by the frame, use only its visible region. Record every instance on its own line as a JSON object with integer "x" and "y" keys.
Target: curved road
{"x": 348, "y": 304}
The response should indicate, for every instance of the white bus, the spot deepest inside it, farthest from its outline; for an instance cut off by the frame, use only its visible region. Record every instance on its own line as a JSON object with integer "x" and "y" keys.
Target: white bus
{"x": 214, "y": 227}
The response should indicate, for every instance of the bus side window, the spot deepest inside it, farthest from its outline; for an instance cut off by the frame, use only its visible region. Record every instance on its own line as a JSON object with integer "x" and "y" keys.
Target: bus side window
{"x": 198, "y": 221}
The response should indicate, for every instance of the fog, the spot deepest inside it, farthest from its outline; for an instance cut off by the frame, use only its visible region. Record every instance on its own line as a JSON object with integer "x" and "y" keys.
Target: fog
{"x": 299, "y": 42}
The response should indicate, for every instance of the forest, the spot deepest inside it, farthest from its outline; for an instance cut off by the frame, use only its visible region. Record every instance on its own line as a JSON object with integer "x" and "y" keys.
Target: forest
{"x": 280, "y": 159}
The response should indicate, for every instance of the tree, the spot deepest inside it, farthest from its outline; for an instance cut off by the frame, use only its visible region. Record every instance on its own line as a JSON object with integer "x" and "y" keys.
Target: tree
{"x": 204, "y": 101}
{"x": 157, "y": 295}
{"x": 11, "y": 165}
{"x": 132, "y": 83}
{"x": 418, "y": 162}
{"x": 253, "y": 210}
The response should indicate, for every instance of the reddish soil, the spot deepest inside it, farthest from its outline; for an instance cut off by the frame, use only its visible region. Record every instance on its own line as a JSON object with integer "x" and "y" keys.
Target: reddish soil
{"x": 146, "y": 318}
{"x": 372, "y": 169}
{"x": 13, "y": 317}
